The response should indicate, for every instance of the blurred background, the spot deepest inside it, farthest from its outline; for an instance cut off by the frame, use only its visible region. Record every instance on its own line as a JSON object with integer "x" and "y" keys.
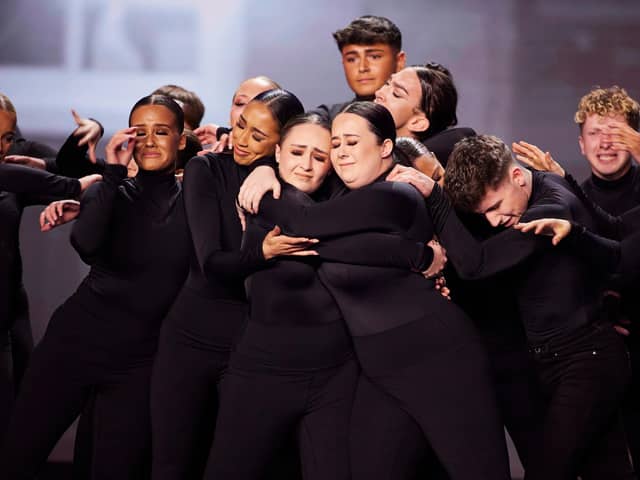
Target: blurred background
{"x": 520, "y": 67}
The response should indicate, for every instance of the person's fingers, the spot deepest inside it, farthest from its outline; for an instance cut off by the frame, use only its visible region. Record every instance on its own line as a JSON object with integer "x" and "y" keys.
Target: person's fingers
{"x": 76, "y": 117}
{"x": 277, "y": 189}
{"x": 59, "y": 208}
{"x": 556, "y": 240}
{"x": 539, "y": 228}
{"x": 304, "y": 253}
{"x": 621, "y": 330}
{"x": 92, "y": 152}
{"x": 43, "y": 219}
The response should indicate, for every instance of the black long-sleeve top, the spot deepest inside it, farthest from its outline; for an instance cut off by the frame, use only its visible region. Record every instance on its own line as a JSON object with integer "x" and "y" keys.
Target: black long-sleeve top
{"x": 294, "y": 320}
{"x": 372, "y": 299}
{"x": 133, "y": 233}
{"x": 555, "y": 289}
{"x": 441, "y": 143}
{"x": 21, "y": 187}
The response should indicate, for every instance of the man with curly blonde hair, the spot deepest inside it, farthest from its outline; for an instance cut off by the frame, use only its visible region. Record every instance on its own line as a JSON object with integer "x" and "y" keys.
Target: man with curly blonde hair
{"x": 609, "y": 140}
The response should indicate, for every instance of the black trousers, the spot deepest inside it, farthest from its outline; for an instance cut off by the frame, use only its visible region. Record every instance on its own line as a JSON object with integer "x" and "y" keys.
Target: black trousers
{"x": 583, "y": 378}
{"x": 260, "y": 410}
{"x": 449, "y": 397}
{"x": 631, "y": 404}
{"x": 66, "y": 368}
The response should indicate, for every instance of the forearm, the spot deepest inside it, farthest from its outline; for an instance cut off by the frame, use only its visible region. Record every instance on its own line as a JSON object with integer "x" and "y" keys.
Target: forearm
{"x": 96, "y": 212}
{"x": 36, "y": 185}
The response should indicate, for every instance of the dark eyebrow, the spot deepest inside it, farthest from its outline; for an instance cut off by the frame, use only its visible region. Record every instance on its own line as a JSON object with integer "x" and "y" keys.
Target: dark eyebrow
{"x": 155, "y": 125}
{"x": 321, "y": 151}
{"x": 494, "y": 206}
{"x": 374, "y": 50}
{"x": 260, "y": 132}
{"x": 397, "y": 85}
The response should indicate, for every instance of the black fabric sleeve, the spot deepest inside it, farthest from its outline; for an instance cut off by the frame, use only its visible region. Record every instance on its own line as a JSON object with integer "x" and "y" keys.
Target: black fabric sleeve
{"x": 73, "y": 160}
{"x": 383, "y": 207}
{"x": 205, "y": 219}
{"x": 473, "y": 259}
{"x": 602, "y": 253}
{"x": 91, "y": 228}
{"x": 31, "y": 149}
{"x": 377, "y": 250}
{"x": 367, "y": 248}
{"x": 35, "y": 186}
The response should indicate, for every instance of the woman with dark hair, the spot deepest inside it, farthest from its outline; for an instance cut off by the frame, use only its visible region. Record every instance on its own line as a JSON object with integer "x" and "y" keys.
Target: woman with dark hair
{"x": 101, "y": 342}
{"x": 211, "y": 309}
{"x": 403, "y": 331}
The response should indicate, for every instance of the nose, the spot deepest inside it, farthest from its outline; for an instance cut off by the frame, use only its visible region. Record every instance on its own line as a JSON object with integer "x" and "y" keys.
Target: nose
{"x": 493, "y": 218}
{"x": 363, "y": 65}
{"x": 242, "y": 137}
{"x": 306, "y": 162}
{"x": 380, "y": 93}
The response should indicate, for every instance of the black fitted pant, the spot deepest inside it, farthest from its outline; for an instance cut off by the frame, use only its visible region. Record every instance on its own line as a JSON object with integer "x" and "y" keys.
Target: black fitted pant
{"x": 449, "y": 398}
{"x": 68, "y": 365}
{"x": 261, "y": 409}
{"x": 631, "y": 404}
{"x": 583, "y": 378}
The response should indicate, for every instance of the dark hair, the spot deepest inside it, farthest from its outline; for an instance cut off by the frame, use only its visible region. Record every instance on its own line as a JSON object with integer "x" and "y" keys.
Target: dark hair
{"x": 166, "y": 102}
{"x": 439, "y": 98}
{"x": 369, "y": 30}
{"x": 190, "y": 150}
{"x": 309, "y": 118}
{"x": 378, "y": 118}
{"x": 190, "y": 102}
{"x": 476, "y": 163}
{"x": 6, "y": 105}
{"x": 408, "y": 149}
{"x": 283, "y": 104}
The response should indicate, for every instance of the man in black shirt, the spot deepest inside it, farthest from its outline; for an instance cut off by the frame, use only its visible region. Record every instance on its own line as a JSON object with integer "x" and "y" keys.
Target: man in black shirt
{"x": 371, "y": 50}
{"x": 580, "y": 361}
{"x": 609, "y": 140}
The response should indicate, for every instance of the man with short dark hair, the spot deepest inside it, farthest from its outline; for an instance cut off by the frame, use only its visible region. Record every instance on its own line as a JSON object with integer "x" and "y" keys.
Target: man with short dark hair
{"x": 580, "y": 360}
{"x": 371, "y": 49}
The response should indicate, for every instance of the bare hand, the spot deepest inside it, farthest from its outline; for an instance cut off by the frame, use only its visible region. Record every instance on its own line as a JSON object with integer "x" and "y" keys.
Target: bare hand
{"x": 441, "y": 286}
{"x": 242, "y": 216}
{"x": 439, "y": 260}
{"x": 260, "y": 181}
{"x": 90, "y": 133}
{"x": 58, "y": 213}
{"x": 275, "y": 244}
{"x": 218, "y": 146}
{"x": 207, "y": 133}
{"x": 116, "y": 154}
{"x": 409, "y": 175}
{"x": 625, "y": 138}
{"x": 26, "y": 161}
{"x": 535, "y": 158}
{"x": 86, "y": 182}
{"x": 553, "y": 227}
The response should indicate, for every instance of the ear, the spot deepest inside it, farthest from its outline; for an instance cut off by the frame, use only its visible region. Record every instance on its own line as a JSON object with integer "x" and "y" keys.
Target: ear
{"x": 581, "y": 143}
{"x": 183, "y": 142}
{"x": 386, "y": 148}
{"x": 418, "y": 123}
{"x": 517, "y": 176}
{"x": 277, "y": 153}
{"x": 401, "y": 60}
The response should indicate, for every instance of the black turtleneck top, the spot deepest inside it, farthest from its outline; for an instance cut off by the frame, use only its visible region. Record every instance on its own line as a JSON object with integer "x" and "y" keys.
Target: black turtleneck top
{"x": 555, "y": 289}
{"x": 133, "y": 234}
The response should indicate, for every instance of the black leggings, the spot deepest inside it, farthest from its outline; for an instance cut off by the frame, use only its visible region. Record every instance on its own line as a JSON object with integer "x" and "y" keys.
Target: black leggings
{"x": 66, "y": 367}
{"x": 448, "y": 395}
{"x": 261, "y": 410}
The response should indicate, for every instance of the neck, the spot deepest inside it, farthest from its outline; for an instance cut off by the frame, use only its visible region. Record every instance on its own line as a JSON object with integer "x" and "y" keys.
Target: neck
{"x": 614, "y": 176}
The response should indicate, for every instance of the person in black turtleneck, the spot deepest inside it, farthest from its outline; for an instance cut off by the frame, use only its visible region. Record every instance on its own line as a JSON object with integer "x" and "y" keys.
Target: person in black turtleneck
{"x": 211, "y": 309}
{"x": 20, "y": 187}
{"x": 609, "y": 139}
{"x": 102, "y": 340}
{"x": 371, "y": 50}
{"x": 418, "y": 352}
{"x": 580, "y": 360}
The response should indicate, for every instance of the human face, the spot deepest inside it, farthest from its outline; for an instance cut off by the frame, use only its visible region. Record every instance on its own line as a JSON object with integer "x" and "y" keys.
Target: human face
{"x": 245, "y": 93}
{"x": 357, "y": 155}
{"x": 303, "y": 158}
{"x": 7, "y": 131}
{"x": 401, "y": 95}
{"x": 504, "y": 205}
{"x": 595, "y": 144}
{"x": 157, "y": 137}
{"x": 255, "y": 135}
{"x": 367, "y": 67}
